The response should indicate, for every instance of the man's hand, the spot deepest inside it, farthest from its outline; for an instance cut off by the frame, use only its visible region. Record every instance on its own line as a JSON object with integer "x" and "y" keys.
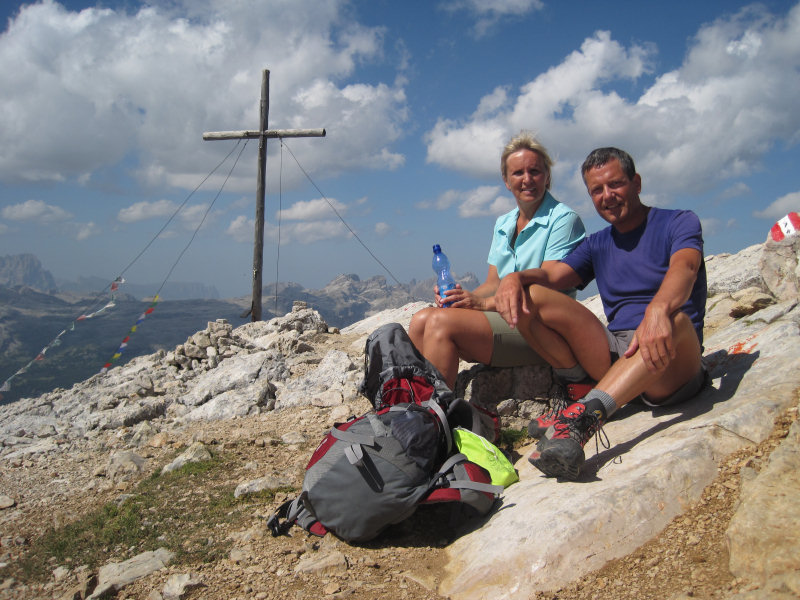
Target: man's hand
{"x": 653, "y": 338}
{"x": 510, "y": 299}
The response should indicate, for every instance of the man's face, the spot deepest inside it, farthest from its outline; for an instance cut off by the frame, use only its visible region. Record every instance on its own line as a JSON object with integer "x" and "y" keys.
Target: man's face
{"x": 615, "y": 197}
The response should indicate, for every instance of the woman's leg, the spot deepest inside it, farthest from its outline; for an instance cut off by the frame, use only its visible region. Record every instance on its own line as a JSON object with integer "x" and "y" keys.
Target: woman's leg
{"x": 443, "y": 335}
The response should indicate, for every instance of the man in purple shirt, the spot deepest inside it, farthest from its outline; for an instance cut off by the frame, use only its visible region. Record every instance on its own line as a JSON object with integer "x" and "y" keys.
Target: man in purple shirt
{"x": 651, "y": 277}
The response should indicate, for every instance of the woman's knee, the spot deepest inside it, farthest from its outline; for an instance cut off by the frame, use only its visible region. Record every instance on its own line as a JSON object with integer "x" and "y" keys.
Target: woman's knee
{"x": 416, "y": 329}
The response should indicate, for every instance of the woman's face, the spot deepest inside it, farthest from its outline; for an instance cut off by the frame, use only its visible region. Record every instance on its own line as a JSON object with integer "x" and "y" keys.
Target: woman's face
{"x": 527, "y": 177}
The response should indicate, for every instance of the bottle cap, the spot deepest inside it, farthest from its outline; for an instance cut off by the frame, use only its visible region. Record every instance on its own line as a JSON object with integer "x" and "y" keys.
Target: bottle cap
{"x": 436, "y": 248}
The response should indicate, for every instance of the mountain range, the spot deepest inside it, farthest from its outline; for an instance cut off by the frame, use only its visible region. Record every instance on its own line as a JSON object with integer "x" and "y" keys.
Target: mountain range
{"x": 35, "y": 307}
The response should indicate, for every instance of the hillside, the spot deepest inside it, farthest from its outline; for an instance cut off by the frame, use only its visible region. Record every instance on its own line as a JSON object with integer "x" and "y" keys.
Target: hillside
{"x": 33, "y": 312}
{"x": 688, "y": 502}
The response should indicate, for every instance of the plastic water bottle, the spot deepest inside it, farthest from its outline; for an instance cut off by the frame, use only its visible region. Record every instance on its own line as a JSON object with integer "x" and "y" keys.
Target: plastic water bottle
{"x": 441, "y": 266}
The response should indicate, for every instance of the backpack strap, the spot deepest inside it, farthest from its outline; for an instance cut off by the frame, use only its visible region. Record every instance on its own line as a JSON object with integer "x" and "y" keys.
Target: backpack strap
{"x": 437, "y": 409}
{"x": 291, "y": 512}
{"x": 445, "y": 476}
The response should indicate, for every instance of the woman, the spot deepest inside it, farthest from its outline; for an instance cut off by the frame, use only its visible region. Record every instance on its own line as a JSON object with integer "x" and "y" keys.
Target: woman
{"x": 539, "y": 230}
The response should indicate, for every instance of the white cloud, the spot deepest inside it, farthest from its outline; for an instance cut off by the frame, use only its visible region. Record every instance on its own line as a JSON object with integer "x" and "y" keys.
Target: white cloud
{"x": 711, "y": 119}
{"x": 308, "y": 232}
{"x": 241, "y": 229}
{"x": 147, "y": 84}
{"x": 483, "y": 201}
{"x": 35, "y": 210}
{"x": 737, "y": 189}
{"x": 489, "y": 13}
{"x": 141, "y": 211}
{"x": 781, "y": 207}
{"x": 382, "y": 228}
{"x": 313, "y": 210}
{"x": 84, "y": 231}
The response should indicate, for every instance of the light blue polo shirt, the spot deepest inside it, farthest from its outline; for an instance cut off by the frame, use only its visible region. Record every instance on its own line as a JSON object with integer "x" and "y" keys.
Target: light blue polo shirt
{"x": 554, "y": 232}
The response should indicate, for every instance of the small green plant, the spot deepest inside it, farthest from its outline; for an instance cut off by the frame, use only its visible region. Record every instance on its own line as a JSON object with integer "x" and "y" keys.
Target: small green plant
{"x": 180, "y": 511}
{"x": 511, "y": 438}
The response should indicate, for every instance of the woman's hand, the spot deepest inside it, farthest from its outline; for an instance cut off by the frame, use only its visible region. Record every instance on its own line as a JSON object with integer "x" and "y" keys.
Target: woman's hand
{"x": 458, "y": 297}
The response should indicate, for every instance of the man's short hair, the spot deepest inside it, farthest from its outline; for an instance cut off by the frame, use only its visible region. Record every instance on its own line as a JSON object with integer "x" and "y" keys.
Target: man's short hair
{"x": 601, "y": 156}
{"x": 525, "y": 140}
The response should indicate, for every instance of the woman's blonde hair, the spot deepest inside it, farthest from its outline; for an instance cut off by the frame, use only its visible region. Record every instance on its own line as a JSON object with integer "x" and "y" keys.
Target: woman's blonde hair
{"x": 525, "y": 140}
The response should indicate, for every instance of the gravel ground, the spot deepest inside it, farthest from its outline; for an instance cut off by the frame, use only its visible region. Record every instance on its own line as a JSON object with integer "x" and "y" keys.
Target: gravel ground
{"x": 689, "y": 559}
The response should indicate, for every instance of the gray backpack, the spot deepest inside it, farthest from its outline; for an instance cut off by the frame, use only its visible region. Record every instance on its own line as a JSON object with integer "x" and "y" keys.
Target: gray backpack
{"x": 375, "y": 470}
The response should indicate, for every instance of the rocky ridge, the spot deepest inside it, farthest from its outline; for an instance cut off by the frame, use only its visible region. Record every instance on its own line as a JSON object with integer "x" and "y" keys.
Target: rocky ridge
{"x": 266, "y": 392}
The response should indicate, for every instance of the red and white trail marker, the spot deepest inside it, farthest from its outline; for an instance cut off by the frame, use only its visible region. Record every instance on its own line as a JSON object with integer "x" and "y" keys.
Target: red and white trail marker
{"x": 787, "y": 226}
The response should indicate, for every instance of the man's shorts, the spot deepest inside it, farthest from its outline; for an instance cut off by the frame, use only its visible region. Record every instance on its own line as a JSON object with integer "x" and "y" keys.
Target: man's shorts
{"x": 509, "y": 348}
{"x": 618, "y": 342}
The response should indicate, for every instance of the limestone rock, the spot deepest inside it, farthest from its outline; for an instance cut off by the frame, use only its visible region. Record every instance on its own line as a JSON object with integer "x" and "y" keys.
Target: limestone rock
{"x": 763, "y": 536}
{"x": 780, "y": 267}
{"x": 197, "y": 452}
{"x": 115, "y": 576}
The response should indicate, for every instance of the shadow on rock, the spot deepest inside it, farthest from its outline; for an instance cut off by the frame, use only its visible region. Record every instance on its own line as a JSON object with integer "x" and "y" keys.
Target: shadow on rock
{"x": 731, "y": 368}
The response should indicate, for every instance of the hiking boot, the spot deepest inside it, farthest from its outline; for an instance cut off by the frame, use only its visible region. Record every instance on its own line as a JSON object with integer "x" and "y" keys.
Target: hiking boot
{"x": 578, "y": 389}
{"x": 560, "y": 454}
{"x": 538, "y": 426}
{"x": 575, "y": 390}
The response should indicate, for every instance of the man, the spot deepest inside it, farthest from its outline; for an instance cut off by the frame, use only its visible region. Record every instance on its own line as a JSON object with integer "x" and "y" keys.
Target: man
{"x": 651, "y": 277}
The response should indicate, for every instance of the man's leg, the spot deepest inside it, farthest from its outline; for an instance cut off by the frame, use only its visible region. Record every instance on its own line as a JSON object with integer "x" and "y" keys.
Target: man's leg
{"x": 443, "y": 335}
{"x": 565, "y": 333}
{"x": 629, "y": 377}
{"x": 560, "y": 453}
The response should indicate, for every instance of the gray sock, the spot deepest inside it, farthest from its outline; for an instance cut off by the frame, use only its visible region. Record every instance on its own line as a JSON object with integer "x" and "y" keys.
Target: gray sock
{"x": 606, "y": 400}
{"x": 572, "y": 374}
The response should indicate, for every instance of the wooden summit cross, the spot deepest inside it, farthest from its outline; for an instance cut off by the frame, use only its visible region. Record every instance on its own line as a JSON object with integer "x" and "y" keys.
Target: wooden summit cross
{"x": 262, "y": 134}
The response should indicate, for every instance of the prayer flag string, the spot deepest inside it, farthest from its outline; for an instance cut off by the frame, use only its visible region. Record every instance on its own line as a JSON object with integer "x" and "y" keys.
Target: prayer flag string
{"x": 6, "y": 387}
{"x": 124, "y": 343}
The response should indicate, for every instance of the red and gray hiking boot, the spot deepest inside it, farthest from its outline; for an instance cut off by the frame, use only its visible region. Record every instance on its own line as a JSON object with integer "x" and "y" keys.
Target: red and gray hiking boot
{"x": 575, "y": 390}
{"x": 560, "y": 453}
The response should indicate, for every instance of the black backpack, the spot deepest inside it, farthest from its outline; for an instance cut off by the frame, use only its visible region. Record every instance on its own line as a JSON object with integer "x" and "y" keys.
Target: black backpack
{"x": 375, "y": 470}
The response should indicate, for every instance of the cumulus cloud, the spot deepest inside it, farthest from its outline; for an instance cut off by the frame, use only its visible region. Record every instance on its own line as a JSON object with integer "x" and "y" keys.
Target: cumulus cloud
{"x": 737, "y": 189}
{"x": 707, "y": 121}
{"x": 488, "y": 13}
{"x": 83, "y": 231}
{"x": 313, "y": 210}
{"x": 241, "y": 229}
{"x": 103, "y": 70}
{"x": 37, "y": 211}
{"x": 141, "y": 211}
{"x": 483, "y": 201}
{"x": 382, "y": 228}
{"x": 781, "y": 207}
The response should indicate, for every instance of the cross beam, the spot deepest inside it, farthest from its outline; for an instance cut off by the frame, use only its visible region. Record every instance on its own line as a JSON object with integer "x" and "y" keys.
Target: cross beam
{"x": 262, "y": 133}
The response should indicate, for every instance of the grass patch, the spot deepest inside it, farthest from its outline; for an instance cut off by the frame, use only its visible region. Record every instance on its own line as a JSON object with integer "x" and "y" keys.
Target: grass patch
{"x": 183, "y": 511}
{"x": 512, "y": 438}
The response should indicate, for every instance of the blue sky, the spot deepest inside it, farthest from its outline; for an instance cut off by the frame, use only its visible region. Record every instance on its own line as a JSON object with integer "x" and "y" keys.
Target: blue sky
{"x": 103, "y": 106}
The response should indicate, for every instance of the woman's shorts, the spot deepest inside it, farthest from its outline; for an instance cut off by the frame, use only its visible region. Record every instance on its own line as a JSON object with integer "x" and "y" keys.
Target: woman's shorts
{"x": 509, "y": 348}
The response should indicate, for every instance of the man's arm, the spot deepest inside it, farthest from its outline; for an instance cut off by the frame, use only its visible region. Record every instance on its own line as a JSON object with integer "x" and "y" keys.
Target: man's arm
{"x": 653, "y": 337}
{"x": 511, "y": 297}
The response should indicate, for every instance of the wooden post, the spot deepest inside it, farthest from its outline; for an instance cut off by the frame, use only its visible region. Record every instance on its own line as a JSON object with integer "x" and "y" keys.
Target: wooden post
{"x": 258, "y": 244}
{"x": 262, "y": 134}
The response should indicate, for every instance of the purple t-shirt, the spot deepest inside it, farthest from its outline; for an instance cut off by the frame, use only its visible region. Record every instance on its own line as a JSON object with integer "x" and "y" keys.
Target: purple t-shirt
{"x": 629, "y": 267}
